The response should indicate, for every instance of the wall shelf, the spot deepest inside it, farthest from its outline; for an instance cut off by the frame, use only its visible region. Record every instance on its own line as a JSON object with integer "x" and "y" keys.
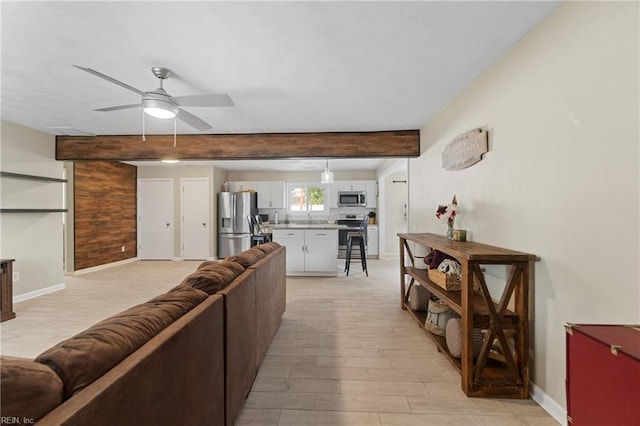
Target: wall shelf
{"x": 33, "y": 210}
{"x": 31, "y": 177}
{"x": 21, "y": 176}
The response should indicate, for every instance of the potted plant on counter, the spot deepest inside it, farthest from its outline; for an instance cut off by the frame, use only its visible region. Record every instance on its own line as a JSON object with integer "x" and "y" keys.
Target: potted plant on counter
{"x": 372, "y": 217}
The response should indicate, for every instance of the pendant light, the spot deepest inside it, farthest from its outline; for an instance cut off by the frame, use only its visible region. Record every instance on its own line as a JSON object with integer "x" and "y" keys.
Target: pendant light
{"x": 326, "y": 176}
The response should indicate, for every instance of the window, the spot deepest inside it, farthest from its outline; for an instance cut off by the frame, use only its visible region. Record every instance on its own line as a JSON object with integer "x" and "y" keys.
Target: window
{"x": 306, "y": 198}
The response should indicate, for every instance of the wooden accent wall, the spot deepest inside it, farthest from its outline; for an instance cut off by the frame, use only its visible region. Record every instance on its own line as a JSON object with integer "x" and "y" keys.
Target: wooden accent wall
{"x": 404, "y": 143}
{"x": 105, "y": 200}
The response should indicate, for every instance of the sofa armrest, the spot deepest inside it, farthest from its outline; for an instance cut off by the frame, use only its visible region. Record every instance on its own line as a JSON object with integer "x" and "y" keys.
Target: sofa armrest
{"x": 175, "y": 376}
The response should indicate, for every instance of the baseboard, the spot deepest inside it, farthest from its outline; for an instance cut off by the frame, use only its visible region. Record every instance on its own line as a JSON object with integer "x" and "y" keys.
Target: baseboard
{"x": 177, "y": 259}
{"x": 549, "y": 404}
{"x": 101, "y": 267}
{"x": 37, "y": 293}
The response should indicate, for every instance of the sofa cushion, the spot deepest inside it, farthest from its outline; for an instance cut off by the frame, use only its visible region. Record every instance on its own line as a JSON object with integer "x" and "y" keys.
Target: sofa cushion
{"x": 83, "y": 358}
{"x": 213, "y": 278}
{"x": 267, "y": 248}
{"x": 28, "y": 389}
{"x": 207, "y": 263}
{"x": 247, "y": 257}
{"x": 235, "y": 267}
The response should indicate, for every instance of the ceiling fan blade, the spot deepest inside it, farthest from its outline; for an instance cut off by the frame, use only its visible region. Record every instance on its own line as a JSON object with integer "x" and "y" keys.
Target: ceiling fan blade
{"x": 116, "y": 108}
{"x": 110, "y": 79}
{"x": 203, "y": 100}
{"x": 192, "y": 120}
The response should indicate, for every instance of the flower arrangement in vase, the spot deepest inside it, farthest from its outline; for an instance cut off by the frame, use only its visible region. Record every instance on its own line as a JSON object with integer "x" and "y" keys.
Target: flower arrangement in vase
{"x": 448, "y": 214}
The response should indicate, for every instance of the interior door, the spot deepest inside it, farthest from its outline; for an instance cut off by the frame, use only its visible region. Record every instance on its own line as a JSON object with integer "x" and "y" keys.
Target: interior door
{"x": 155, "y": 219}
{"x": 196, "y": 230}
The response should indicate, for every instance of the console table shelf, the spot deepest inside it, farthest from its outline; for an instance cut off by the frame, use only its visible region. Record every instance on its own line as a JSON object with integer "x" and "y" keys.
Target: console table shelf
{"x": 483, "y": 377}
{"x": 453, "y": 299}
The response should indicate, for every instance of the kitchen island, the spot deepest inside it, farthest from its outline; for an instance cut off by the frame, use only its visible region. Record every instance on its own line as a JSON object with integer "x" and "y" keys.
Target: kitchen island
{"x": 312, "y": 248}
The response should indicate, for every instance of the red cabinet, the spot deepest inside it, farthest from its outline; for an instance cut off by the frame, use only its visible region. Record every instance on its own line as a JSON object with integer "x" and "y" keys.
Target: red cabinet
{"x": 603, "y": 375}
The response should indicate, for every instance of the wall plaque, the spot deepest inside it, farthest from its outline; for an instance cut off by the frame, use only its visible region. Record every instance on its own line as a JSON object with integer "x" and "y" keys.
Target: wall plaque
{"x": 465, "y": 150}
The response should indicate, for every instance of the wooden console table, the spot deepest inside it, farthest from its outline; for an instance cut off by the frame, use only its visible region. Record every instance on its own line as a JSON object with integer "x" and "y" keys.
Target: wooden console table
{"x": 6, "y": 292}
{"x": 483, "y": 377}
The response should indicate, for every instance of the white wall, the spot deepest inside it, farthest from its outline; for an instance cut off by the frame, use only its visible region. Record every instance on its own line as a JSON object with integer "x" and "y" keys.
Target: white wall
{"x": 394, "y": 217}
{"x": 561, "y": 178}
{"x": 34, "y": 240}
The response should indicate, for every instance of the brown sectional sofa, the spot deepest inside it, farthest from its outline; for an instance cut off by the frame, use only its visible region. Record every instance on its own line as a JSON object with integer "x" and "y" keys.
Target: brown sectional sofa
{"x": 253, "y": 309}
{"x": 189, "y": 356}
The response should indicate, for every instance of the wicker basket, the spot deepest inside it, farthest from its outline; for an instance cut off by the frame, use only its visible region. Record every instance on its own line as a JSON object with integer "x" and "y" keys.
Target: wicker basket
{"x": 437, "y": 317}
{"x": 419, "y": 298}
{"x": 453, "y": 336}
{"x": 448, "y": 282}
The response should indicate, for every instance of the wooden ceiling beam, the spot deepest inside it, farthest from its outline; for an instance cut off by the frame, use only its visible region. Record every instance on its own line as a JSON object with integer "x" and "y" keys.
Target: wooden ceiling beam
{"x": 263, "y": 146}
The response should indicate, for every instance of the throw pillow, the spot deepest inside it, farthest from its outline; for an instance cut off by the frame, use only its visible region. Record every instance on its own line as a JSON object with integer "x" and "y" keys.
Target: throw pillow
{"x": 28, "y": 390}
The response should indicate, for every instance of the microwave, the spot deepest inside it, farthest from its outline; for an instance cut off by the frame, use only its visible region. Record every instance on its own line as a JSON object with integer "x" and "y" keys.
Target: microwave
{"x": 352, "y": 199}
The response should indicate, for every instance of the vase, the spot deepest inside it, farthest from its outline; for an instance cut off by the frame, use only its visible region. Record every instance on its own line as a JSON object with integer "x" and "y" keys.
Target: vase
{"x": 450, "y": 230}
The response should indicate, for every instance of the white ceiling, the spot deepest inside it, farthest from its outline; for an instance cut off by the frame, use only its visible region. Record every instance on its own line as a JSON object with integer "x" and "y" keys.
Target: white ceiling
{"x": 288, "y": 66}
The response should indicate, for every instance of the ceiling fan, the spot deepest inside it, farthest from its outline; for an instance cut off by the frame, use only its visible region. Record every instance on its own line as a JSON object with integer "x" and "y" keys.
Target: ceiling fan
{"x": 158, "y": 103}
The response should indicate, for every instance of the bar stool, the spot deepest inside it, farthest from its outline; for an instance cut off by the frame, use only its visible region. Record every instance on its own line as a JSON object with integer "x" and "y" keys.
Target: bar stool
{"x": 256, "y": 235}
{"x": 360, "y": 236}
{"x": 262, "y": 230}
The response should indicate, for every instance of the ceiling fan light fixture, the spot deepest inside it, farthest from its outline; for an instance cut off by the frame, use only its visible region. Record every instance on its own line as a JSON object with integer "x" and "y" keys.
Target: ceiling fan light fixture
{"x": 326, "y": 176}
{"x": 159, "y": 108}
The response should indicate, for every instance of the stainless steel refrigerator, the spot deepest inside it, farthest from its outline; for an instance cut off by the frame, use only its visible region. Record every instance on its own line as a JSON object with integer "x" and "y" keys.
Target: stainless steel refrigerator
{"x": 234, "y": 235}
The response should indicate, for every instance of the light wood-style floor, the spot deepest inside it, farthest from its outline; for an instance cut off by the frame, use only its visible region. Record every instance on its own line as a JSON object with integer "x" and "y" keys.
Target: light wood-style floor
{"x": 345, "y": 354}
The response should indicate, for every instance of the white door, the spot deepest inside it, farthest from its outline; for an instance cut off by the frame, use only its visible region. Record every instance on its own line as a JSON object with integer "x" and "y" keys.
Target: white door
{"x": 155, "y": 218}
{"x": 196, "y": 230}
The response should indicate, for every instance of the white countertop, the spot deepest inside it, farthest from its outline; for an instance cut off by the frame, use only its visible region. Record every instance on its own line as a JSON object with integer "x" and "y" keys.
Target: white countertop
{"x": 273, "y": 226}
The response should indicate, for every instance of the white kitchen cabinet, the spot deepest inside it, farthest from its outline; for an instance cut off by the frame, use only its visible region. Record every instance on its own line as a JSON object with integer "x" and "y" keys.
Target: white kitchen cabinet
{"x": 293, "y": 240}
{"x": 309, "y": 251}
{"x": 373, "y": 238}
{"x": 333, "y": 195}
{"x": 352, "y": 185}
{"x": 270, "y": 195}
{"x": 321, "y": 252}
{"x": 372, "y": 193}
{"x": 242, "y": 186}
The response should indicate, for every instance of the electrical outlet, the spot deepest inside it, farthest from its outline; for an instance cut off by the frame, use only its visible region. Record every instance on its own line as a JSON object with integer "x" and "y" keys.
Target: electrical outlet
{"x": 16, "y": 276}
{"x": 123, "y": 249}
